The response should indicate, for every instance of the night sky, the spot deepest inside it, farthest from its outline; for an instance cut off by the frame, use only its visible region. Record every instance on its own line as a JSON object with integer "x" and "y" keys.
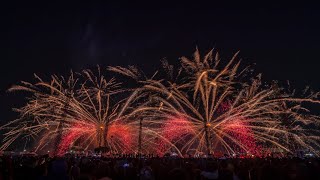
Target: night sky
{"x": 282, "y": 41}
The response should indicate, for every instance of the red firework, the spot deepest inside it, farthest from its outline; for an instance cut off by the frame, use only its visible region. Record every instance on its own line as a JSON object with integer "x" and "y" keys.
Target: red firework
{"x": 75, "y": 132}
{"x": 121, "y": 135}
{"x": 241, "y": 136}
{"x": 174, "y": 130}
{"x": 244, "y": 141}
{"x": 118, "y": 135}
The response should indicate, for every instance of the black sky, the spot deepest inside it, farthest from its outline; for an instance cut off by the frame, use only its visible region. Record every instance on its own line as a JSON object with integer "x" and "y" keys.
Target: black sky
{"x": 283, "y": 41}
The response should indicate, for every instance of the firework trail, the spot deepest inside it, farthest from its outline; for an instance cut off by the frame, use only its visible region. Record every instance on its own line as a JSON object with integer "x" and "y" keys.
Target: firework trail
{"x": 202, "y": 106}
{"x": 223, "y": 111}
{"x": 80, "y": 109}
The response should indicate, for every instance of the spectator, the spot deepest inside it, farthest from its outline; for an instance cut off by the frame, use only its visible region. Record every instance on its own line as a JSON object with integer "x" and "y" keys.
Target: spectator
{"x": 211, "y": 171}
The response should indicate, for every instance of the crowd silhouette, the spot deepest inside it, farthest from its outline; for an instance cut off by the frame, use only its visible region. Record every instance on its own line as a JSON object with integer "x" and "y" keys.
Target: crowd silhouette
{"x": 153, "y": 168}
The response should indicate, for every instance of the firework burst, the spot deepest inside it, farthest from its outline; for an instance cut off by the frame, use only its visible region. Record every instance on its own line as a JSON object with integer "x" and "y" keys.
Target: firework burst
{"x": 79, "y": 109}
{"x": 202, "y": 106}
{"x": 214, "y": 109}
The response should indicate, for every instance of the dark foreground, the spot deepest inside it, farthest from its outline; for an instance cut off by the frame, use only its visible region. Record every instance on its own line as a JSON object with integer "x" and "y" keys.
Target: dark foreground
{"x": 80, "y": 168}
